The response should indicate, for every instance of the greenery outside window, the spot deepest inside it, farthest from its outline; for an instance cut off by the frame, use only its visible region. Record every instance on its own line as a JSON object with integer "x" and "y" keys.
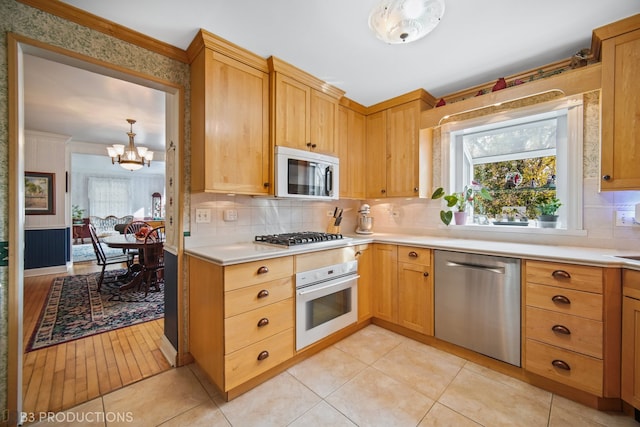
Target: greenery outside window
{"x": 523, "y": 157}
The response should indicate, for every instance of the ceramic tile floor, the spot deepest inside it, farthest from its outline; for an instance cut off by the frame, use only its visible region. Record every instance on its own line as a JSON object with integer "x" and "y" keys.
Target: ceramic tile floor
{"x": 372, "y": 378}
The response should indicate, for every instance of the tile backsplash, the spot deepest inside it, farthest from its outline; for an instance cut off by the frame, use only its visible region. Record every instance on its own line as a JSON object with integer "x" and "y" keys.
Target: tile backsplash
{"x": 263, "y": 215}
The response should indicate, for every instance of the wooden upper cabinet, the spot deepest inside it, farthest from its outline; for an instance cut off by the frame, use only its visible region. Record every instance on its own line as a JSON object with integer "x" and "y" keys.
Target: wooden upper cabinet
{"x": 305, "y": 109}
{"x": 376, "y": 152}
{"x": 229, "y": 118}
{"x": 621, "y": 107}
{"x": 403, "y": 155}
{"x": 291, "y": 113}
{"x": 324, "y": 122}
{"x": 398, "y": 156}
{"x": 351, "y": 150}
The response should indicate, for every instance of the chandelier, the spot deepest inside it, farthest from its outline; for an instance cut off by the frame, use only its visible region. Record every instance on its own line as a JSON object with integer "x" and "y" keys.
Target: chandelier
{"x": 131, "y": 158}
{"x": 404, "y": 21}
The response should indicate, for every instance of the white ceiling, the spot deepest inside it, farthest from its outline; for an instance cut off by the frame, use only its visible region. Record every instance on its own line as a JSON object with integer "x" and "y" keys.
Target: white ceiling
{"x": 476, "y": 42}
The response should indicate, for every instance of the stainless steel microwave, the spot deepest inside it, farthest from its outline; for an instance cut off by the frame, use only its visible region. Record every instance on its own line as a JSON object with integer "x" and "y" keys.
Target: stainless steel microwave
{"x": 305, "y": 174}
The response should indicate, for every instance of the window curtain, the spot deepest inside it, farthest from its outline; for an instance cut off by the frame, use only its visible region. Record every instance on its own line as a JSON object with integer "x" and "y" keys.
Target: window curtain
{"x": 109, "y": 196}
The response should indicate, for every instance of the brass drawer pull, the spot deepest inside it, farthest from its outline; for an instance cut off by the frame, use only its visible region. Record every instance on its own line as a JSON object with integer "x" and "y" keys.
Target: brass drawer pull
{"x": 263, "y": 270}
{"x": 561, "y": 329}
{"x": 413, "y": 254}
{"x": 561, "y": 274}
{"x": 263, "y": 355}
{"x": 560, "y": 299}
{"x": 425, "y": 274}
{"x": 263, "y": 293}
{"x": 561, "y": 364}
{"x": 263, "y": 322}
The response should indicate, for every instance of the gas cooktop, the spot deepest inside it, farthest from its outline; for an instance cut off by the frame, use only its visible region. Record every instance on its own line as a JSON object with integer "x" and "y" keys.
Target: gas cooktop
{"x": 299, "y": 238}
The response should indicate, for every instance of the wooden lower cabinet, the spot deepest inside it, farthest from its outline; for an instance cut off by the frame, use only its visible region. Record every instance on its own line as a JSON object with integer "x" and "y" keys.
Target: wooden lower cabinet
{"x": 572, "y": 325}
{"x": 385, "y": 282}
{"x": 364, "y": 255}
{"x": 241, "y": 318}
{"x": 631, "y": 338}
{"x": 403, "y": 286}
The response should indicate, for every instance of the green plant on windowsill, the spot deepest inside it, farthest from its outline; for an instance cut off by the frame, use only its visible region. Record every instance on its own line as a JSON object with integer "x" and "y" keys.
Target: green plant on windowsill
{"x": 460, "y": 200}
{"x": 548, "y": 217}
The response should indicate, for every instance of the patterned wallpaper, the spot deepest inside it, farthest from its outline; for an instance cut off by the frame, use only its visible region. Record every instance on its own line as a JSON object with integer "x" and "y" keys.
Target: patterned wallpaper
{"x": 35, "y": 24}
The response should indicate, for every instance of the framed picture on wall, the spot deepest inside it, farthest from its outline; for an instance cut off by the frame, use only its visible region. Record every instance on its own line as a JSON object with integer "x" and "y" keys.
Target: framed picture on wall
{"x": 39, "y": 197}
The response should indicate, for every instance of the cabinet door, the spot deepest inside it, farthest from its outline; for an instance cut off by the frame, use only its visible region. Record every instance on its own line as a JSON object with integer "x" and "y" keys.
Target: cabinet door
{"x": 364, "y": 255}
{"x": 238, "y": 128}
{"x": 292, "y": 112}
{"x": 351, "y": 149}
{"x": 323, "y": 119}
{"x": 415, "y": 298}
{"x": 376, "y": 155}
{"x": 385, "y": 282}
{"x": 631, "y": 351}
{"x": 402, "y": 146}
{"x": 620, "y": 110}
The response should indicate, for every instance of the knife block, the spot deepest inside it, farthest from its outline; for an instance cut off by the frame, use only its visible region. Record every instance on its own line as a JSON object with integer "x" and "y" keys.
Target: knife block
{"x": 333, "y": 229}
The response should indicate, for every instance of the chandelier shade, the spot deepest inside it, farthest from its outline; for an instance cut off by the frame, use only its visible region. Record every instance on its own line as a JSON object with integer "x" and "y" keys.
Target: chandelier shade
{"x": 130, "y": 158}
{"x": 404, "y": 21}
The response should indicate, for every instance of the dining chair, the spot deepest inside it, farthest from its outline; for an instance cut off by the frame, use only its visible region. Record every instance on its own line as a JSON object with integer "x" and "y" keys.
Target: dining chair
{"x": 104, "y": 260}
{"x": 131, "y": 231}
{"x": 153, "y": 259}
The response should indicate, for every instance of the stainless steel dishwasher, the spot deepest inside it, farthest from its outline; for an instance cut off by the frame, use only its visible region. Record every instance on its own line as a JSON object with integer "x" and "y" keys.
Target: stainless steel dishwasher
{"x": 477, "y": 303}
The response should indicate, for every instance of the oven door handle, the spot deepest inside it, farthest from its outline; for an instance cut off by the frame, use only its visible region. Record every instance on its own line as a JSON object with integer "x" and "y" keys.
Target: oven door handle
{"x": 331, "y": 284}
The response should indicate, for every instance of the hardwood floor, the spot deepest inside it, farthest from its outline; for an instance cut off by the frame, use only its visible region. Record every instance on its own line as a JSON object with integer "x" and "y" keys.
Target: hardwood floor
{"x": 62, "y": 376}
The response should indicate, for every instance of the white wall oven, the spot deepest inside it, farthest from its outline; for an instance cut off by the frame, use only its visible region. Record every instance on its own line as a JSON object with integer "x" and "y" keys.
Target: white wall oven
{"x": 326, "y": 301}
{"x": 304, "y": 174}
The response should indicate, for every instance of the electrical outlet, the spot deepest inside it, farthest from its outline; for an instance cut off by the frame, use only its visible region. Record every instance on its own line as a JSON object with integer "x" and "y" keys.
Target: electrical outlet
{"x": 230, "y": 215}
{"x": 625, "y": 218}
{"x": 203, "y": 216}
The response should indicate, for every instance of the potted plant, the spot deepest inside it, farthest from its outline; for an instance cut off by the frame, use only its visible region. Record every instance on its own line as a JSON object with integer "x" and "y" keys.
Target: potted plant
{"x": 76, "y": 214}
{"x": 548, "y": 209}
{"x": 460, "y": 201}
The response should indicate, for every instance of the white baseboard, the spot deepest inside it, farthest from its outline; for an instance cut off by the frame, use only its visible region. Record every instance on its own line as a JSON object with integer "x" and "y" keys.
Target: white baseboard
{"x": 45, "y": 270}
{"x": 170, "y": 353}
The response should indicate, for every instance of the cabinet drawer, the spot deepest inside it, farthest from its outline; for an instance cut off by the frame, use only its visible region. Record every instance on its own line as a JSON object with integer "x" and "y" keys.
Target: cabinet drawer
{"x": 245, "y": 364}
{"x": 413, "y": 255}
{"x": 247, "y": 274}
{"x": 583, "y": 304}
{"x": 313, "y": 260}
{"x": 580, "y": 277}
{"x": 584, "y": 373}
{"x": 256, "y": 325}
{"x": 256, "y": 296}
{"x": 584, "y": 335}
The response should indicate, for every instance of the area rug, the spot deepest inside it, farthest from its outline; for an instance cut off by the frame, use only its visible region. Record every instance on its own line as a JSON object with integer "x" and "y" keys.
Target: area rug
{"x": 75, "y": 309}
{"x": 82, "y": 253}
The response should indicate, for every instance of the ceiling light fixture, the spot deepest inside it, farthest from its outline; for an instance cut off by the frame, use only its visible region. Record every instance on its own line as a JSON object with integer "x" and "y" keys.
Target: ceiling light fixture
{"x": 131, "y": 159}
{"x": 404, "y": 21}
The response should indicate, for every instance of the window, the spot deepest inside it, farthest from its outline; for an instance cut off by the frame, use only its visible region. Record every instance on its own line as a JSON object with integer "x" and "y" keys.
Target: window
{"x": 108, "y": 196}
{"x": 523, "y": 158}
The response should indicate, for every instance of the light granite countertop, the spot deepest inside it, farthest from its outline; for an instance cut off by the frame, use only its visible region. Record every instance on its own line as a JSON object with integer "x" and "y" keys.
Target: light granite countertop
{"x": 236, "y": 253}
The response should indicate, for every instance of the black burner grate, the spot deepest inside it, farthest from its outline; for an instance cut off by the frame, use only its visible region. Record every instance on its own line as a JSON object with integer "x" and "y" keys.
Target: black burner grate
{"x": 300, "y": 238}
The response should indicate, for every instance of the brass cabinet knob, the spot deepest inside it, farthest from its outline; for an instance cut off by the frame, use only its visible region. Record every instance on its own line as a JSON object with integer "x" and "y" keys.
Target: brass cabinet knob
{"x": 560, "y": 299}
{"x": 561, "y": 364}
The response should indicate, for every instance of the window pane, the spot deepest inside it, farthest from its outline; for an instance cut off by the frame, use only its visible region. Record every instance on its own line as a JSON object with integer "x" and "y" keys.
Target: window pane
{"x": 518, "y": 139}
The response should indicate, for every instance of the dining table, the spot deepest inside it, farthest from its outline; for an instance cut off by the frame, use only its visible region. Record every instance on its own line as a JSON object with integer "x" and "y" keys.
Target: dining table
{"x": 126, "y": 242}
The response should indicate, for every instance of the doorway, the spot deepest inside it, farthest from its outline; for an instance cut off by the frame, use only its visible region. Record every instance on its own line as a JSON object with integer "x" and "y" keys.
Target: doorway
{"x": 18, "y": 47}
